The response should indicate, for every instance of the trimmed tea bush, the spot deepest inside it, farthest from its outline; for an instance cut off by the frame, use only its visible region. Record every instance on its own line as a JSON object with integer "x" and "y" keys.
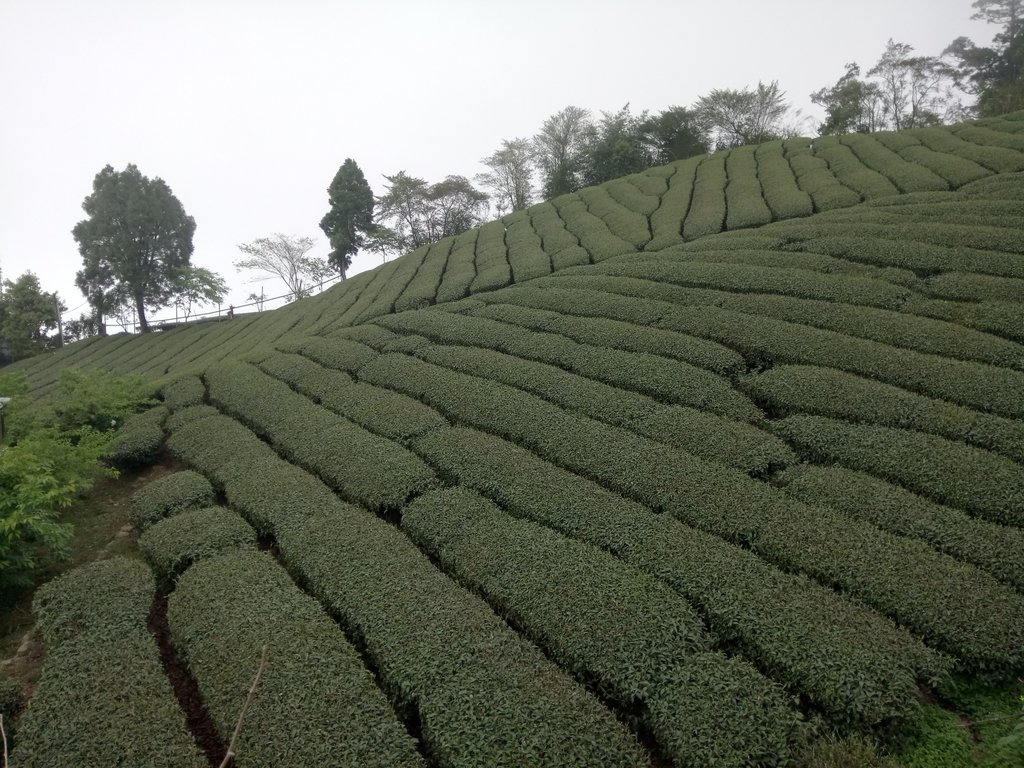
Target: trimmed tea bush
{"x": 169, "y": 495}
{"x": 173, "y": 544}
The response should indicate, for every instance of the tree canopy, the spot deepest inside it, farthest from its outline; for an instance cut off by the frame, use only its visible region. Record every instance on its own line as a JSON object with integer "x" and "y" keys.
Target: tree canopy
{"x": 509, "y": 175}
{"x": 136, "y": 243}
{"x": 350, "y": 218}
{"x": 28, "y": 317}
{"x": 417, "y": 213}
{"x": 737, "y": 117}
{"x": 284, "y": 257}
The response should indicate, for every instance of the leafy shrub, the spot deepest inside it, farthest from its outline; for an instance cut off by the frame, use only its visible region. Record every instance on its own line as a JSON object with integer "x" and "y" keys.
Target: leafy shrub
{"x": 549, "y": 226}
{"x": 173, "y": 544}
{"x": 168, "y": 496}
{"x": 492, "y": 267}
{"x": 408, "y": 266}
{"x": 343, "y": 353}
{"x": 182, "y": 417}
{"x": 140, "y": 440}
{"x": 906, "y": 176}
{"x": 593, "y": 233}
{"x": 422, "y": 289}
{"x": 998, "y": 159}
{"x": 460, "y": 271}
{"x": 103, "y": 698}
{"x": 624, "y": 223}
{"x": 184, "y": 392}
{"x": 10, "y": 698}
{"x": 667, "y": 221}
{"x": 814, "y": 177}
{"x": 317, "y": 703}
{"x": 744, "y": 204}
{"x": 526, "y": 254}
{"x": 958, "y": 286}
{"x": 851, "y": 171}
{"x": 781, "y": 193}
{"x": 706, "y": 214}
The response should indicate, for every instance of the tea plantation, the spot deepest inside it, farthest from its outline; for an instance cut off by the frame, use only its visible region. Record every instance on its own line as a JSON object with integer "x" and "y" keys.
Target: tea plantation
{"x": 721, "y": 464}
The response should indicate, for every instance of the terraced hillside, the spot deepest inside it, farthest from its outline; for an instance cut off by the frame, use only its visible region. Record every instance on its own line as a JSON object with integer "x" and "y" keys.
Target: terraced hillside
{"x": 688, "y": 468}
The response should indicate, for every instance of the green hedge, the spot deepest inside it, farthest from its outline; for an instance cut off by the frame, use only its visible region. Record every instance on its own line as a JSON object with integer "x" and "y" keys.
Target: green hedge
{"x": 783, "y": 196}
{"x": 667, "y": 221}
{"x": 492, "y": 267}
{"x": 384, "y": 413}
{"x": 346, "y": 354}
{"x": 1001, "y": 318}
{"x": 957, "y": 286}
{"x": 179, "y": 418}
{"x": 555, "y": 238}
{"x": 851, "y": 171}
{"x": 744, "y": 204}
{"x": 980, "y": 482}
{"x": 905, "y": 176}
{"x": 639, "y": 193}
{"x": 706, "y": 214}
{"x": 409, "y": 267}
{"x": 140, "y": 440}
{"x": 998, "y": 159}
{"x": 102, "y": 698}
{"x": 526, "y": 254}
{"x": 622, "y": 630}
{"x": 172, "y": 545}
{"x": 814, "y": 177}
{"x": 955, "y": 169}
{"x": 380, "y": 278}
{"x": 659, "y": 377}
{"x": 624, "y": 223}
{"x": 790, "y": 389}
{"x": 459, "y": 273}
{"x": 986, "y": 137}
{"x": 316, "y": 705}
{"x": 594, "y": 235}
{"x": 168, "y": 496}
{"x": 849, "y": 661}
{"x": 998, "y": 549}
{"x": 372, "y": 470}
{"x": 422, "y": 288}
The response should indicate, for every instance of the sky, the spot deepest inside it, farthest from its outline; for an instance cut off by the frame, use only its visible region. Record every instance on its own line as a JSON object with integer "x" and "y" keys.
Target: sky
{"x": 246, "y": 108}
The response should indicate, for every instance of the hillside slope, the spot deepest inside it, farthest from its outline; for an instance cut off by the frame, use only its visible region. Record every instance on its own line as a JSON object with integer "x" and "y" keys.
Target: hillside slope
{"x": 666, "y": 469}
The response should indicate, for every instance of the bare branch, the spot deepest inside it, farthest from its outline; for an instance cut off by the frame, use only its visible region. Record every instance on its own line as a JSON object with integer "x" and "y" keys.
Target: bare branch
{"x": 229, "y": 756}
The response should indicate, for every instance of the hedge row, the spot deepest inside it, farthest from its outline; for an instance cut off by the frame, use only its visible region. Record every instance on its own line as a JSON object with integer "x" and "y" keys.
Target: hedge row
{"x": 183, "y": 392}
{"x": 639, "y": 192}
{"x": 905, "y": 579}
{"x": 168, "y": 496}
{"x": 438, "y": 650}
{"x": 525, "y": 252}
{"x": 986, "y": 137}
{"x": 625, "y": 632}
{"x": 629, "y": 337}
{"x": 460, "y": 270}
{"x": 843, "y": 163}
{"x": 102, "y": 698}
{"x": 380, "y": 278}
{"x": 555, "y": 238}
{"x": 788, "y": 389}
{"x": 851, "y": 662}
{"x": 340, "y": 352}
{"x": 384, "y": 413}
{"x": 492, "y": 267}
{"x": 408, "y": 267}
{"x": 954, "y": 235}
{"x": 175, "y": 543}
{"x": 814, "y": 177}
{"x": 659, "y": 377}
{"x": 422, "y": 289}
{"x": 974, "y": 385}
{"x": 1001, "y": 318}
{"x": 181, "y": 417}
{"x": 667, "y": 221}
{"x": 904, "y": 175}
{"x": 998, "y": 549}
{"x": 140, "y": 440}
{"x": 706, "y": 214}
{"x": 624, "y": 223}
{"x": 980, "y": 482}
{"x": 317, "y": 703}
{"x": 711, "y": 437}
{"x": 594, "y": 235}
{"x": 958, "y": 286}
{"x": 744, "y": 204}
{"x": 778, "y": 184}
{"x": 998, "y": 159}
{"x": 752, "y": 278}
{"x": 372, "y": 470}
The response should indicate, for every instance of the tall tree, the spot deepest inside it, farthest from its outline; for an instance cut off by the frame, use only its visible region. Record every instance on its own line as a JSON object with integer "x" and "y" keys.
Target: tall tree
{"x": 420, "y": 213}
{"x": 673, "y": 134}
{"x": 135, "y": 243}
{"x": 198, "y": 286}
{"x": 852, "y": 105}
{"x": 510, "y": 175}
{"x": 994, "y": 74}
{"x": 350, "y": 219}
{"x": 28, "y": 316}
{"x": 735, "y": 118}
{"x": 915, "y": 90}
{"x": 560, "y": 149}
{"x": 284, "y": 257}
{"x": 616, "y": 147}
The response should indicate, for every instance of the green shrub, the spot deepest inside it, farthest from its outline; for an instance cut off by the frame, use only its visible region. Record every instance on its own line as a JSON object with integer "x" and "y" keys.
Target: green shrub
{"x": 706, "y": 214}
{"x": 851, "y": 171}
{"x": 184, "y": 392}
{"x": 10, "y": 698}
{"x": 182, "y": 417}
{"x": 957, "y": 286}
{"x": 624, "y": 223}
{"x": 408, "y": 268}
{"x": 998, "y": 549}
{"x": 140, "y": 440}
{"x": 781, "y": 193}
{"x": 640, "y": 193}
{"x": 814, "y": 177}
{"x": 955, "y": 169}
{"x": 317, "y": 704}
{"x": 460, "y": 271}
{"x": 346, "y": 354}
{"x": 1001, "y": 318}
{"x": 593, "y": 233}
{"x": 906, "y": 176}
{"x": 526, "y": 255}
{"x": 103, "y": 698}
{"x": 572, "y": 256}
{"x": 168, "y": 496}
{"x": 667, "y": 221}
{"x": 744, "y": 203}
{"x": 173, "y": 544}
{"x": 492, "y": 267}
{"x": 850, "y": 661}
{"x": 986, "y": 137}
{"x": 422, "y": 289}
{"x": 549, "y": 226}
{"x": 604, "y": 622}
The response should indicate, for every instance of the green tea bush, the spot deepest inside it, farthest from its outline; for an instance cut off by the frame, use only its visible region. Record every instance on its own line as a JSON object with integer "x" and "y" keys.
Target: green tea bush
{"x": 639, "y": 193}
{"x": 626, "y": 224}
{"x": 555, "y": 238}
{"x": 140, "y": 440}
{"x": 814, "y": 177}
{"x": 593, "y": 233}
{"x": 998, "y": 159}
{"x": 460, "y": 271}
{"x": 980, "y": 482}
{"x": 526, "y": 254}
{"x": 380, "y": 278}
{"x": 667, "y": 221}
{"x": 103, "y": 698}
{"x": 603, "y": 621}
{"x": 986, "y": 137}
{"x": 851, "y": 171}
{"x": 346, "y": 354}
{"x": 384, "y": 413}
{"x": 790, "y": 389}
{"x": 850, "y": 661}
{"x": 317, "y": 704}
{"x": 706, "y": 214}
{"x": 906, "y": 176}
{"x": 781, "y": 193}
{"x": 168, "y": 496}
{"x": 175, "y": 543}
{"x": 374, "y": 471}
{"x": 958, "y": 286}
{"x": 408, "y": 268}
{"x": 182, "y": 417}
{"x": 422, "y": 289}
{"x": 998, "y": 549}
{"x": 744, "y": 204}
{"x": 1001, "y": 318}
{"x": 573, "y": 256}
{"x": 957, "y": 170}
{"x": 492, "y": 267}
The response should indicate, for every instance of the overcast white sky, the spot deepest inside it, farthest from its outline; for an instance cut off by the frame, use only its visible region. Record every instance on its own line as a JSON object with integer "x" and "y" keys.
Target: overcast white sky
{"x": 246, "y": 108}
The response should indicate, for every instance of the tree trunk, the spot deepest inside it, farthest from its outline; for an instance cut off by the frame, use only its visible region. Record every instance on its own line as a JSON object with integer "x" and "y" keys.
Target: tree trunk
{"x": 141, "y": 309}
